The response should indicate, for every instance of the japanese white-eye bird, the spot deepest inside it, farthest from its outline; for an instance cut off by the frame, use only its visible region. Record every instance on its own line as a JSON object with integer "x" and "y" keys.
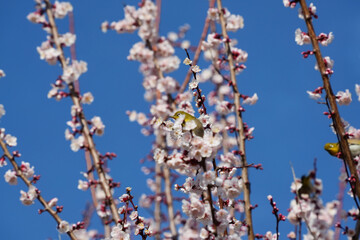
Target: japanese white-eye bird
{"x": 334, "y": 148}
{"x": 198, "y": 130}
{"x": 306, "y": 186}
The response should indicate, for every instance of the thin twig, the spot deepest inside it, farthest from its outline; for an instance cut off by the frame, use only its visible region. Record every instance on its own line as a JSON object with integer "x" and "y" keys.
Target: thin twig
{"x": 240, "y": 125}
{"x": 86, "y": 131}
{"x": 335, "y": 116}
{"x": 198, "y": 49}
{"x": 28, "y": 183}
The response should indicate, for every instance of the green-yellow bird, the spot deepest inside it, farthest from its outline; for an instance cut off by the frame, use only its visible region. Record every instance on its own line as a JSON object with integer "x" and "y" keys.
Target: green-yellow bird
{"x": 306, "y": 186}
{"x": 198, "y": 130}
{"x": 334, "y": 148}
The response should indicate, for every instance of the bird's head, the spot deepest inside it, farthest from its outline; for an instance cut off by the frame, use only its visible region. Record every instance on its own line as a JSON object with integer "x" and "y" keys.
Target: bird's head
{"x": 177, "y": 114}
{"x": 332, "y": 148}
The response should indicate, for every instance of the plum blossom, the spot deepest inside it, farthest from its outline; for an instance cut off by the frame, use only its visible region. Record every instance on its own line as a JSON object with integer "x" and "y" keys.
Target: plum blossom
{"x": 234, "y": 23}
{"x": 77, "y": 143}
{"x": 343, "y": 98}
{"x": 10, "y": 140}
{"x": 61, "y": 9}
{"x": 2, "y": 110}
{"x": 48, "y": 53}
{"x": 301, "y": 38}
{"x": 83, "y": 185}
{"x": 314, "y": 96}
{"x": 11, "y": 177}
{"x": 87, "y": 98}
{"x": 28, "y": 198}
{"x": 64, "y": 227}
{"x": 357, "y": 90}
{"x": 27, "y": 170}
{"x": 36, "y": 17}
{"x": 73, "y": 72}
{"x": 251, "y": 100}
{"x": 2, "y": 73}
{"x": 98, "y": 126}
{"x": 67, "y": 39}
{"x": 117, "y": 233}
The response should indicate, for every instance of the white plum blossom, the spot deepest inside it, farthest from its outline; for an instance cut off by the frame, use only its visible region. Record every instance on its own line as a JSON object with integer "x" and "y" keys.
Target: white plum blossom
{"x": 87, "y": 98}
{"x": 185, "y": 44}
{"x": 169, "y": 64}
{"x": 224, "y": 107}
{"x": 61, "y": 9}
{"x": 67, "y": 39}
{"x": 77, "y": 143}
{"x": 325, "y": 39}
{"x": 98, "y": 126}
{"x": 357, "y": 90}
{"x": 73, "y": 72}
{"x": 301, "y": 38}
{"x": 36, "y": 17}
{"x": 10, "y": 177}
{"x": 10, "y": 140}
{"x": 2, "y": 73}
{"x": 314, "y": 96}
{"x": 48, "y": 53}
{"x": 27, "y": 170}
{"x": 343, "y": 98}
{"x": 234, "y": 23}
{"x": 312, "y": 9}
{"x": 251, "y": 100}
{"x": 213, "y": 14}
{"x": 83, "y": 185}
{"x": 2, "y": 110}
{"x": 117, "y": 233}
{"x": 28, "y": 198}
{"x": 64, "y": 227}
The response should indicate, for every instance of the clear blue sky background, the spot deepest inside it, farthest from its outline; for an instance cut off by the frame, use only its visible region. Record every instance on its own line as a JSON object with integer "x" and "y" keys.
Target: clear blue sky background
{"x": 288, "y": 125}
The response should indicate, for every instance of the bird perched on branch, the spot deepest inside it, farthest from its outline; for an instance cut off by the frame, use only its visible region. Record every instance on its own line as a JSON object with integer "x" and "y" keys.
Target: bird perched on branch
{"x": 306, "y": 186}
{"x": 334, "y": 148}
{"x": 198, "y": 130}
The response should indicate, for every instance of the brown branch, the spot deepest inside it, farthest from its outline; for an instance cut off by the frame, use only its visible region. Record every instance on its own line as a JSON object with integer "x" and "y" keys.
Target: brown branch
{"x": 86, "y": 131}
{"x": 198, "y": 49}
{"x": 157, "y": 210}
{"x": 335, "y": 115}
{"x": 240, "y": 126}
{"x": 28, "y": 183}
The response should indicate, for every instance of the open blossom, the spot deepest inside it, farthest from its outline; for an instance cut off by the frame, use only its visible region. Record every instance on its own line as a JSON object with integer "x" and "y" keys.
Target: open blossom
{"x": 357, "y": 90}
{"x": 2, "y": 110}
{"x": 77, "y": 143}
{"x": 193, "y": 84}
{"x": 28, "y": 198}
{"x": 239, "y": 55}
{"x": 343, "y": 98}
{"x": 36, "y": 17}
{"x": 73, "y": 72}
{"x": 141, "y": 53}
{"x": 98, "y": 125}
{"x": 67, "y": 39}
{"x": 329, "y": 64}
{"x": 234, "y": 23}
{"x": 87, "y": 98}
{"x": 118, "y": 234}
{"x": 64, "y": 227}
{"x": 301, "y": 38}
{"x": 312, "y": 9}
{"x": 196, "y": 69}
{"x": 48, "y": 53}
{"x": 314, "y": 96}
{"x": 224, "y": 107}
{"x": 187, "y": 61}
{"x": 10, "y": 140}
{"x": 61, "y": 9}
{"x": 325, "y": 39}
{"x": 169, "y": 64}
{"x": 2, "y": 73}
{"x": 251, "y": 100}
{"x": 83, "y": 185}
{"x": 213, "y": 14}
{"x": 10, "y": 177}
{"x": 27, "y": 170}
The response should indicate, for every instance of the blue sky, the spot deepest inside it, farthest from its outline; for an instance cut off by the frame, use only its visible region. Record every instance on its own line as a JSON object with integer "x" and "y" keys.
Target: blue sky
{"x": 289, "y": 127}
